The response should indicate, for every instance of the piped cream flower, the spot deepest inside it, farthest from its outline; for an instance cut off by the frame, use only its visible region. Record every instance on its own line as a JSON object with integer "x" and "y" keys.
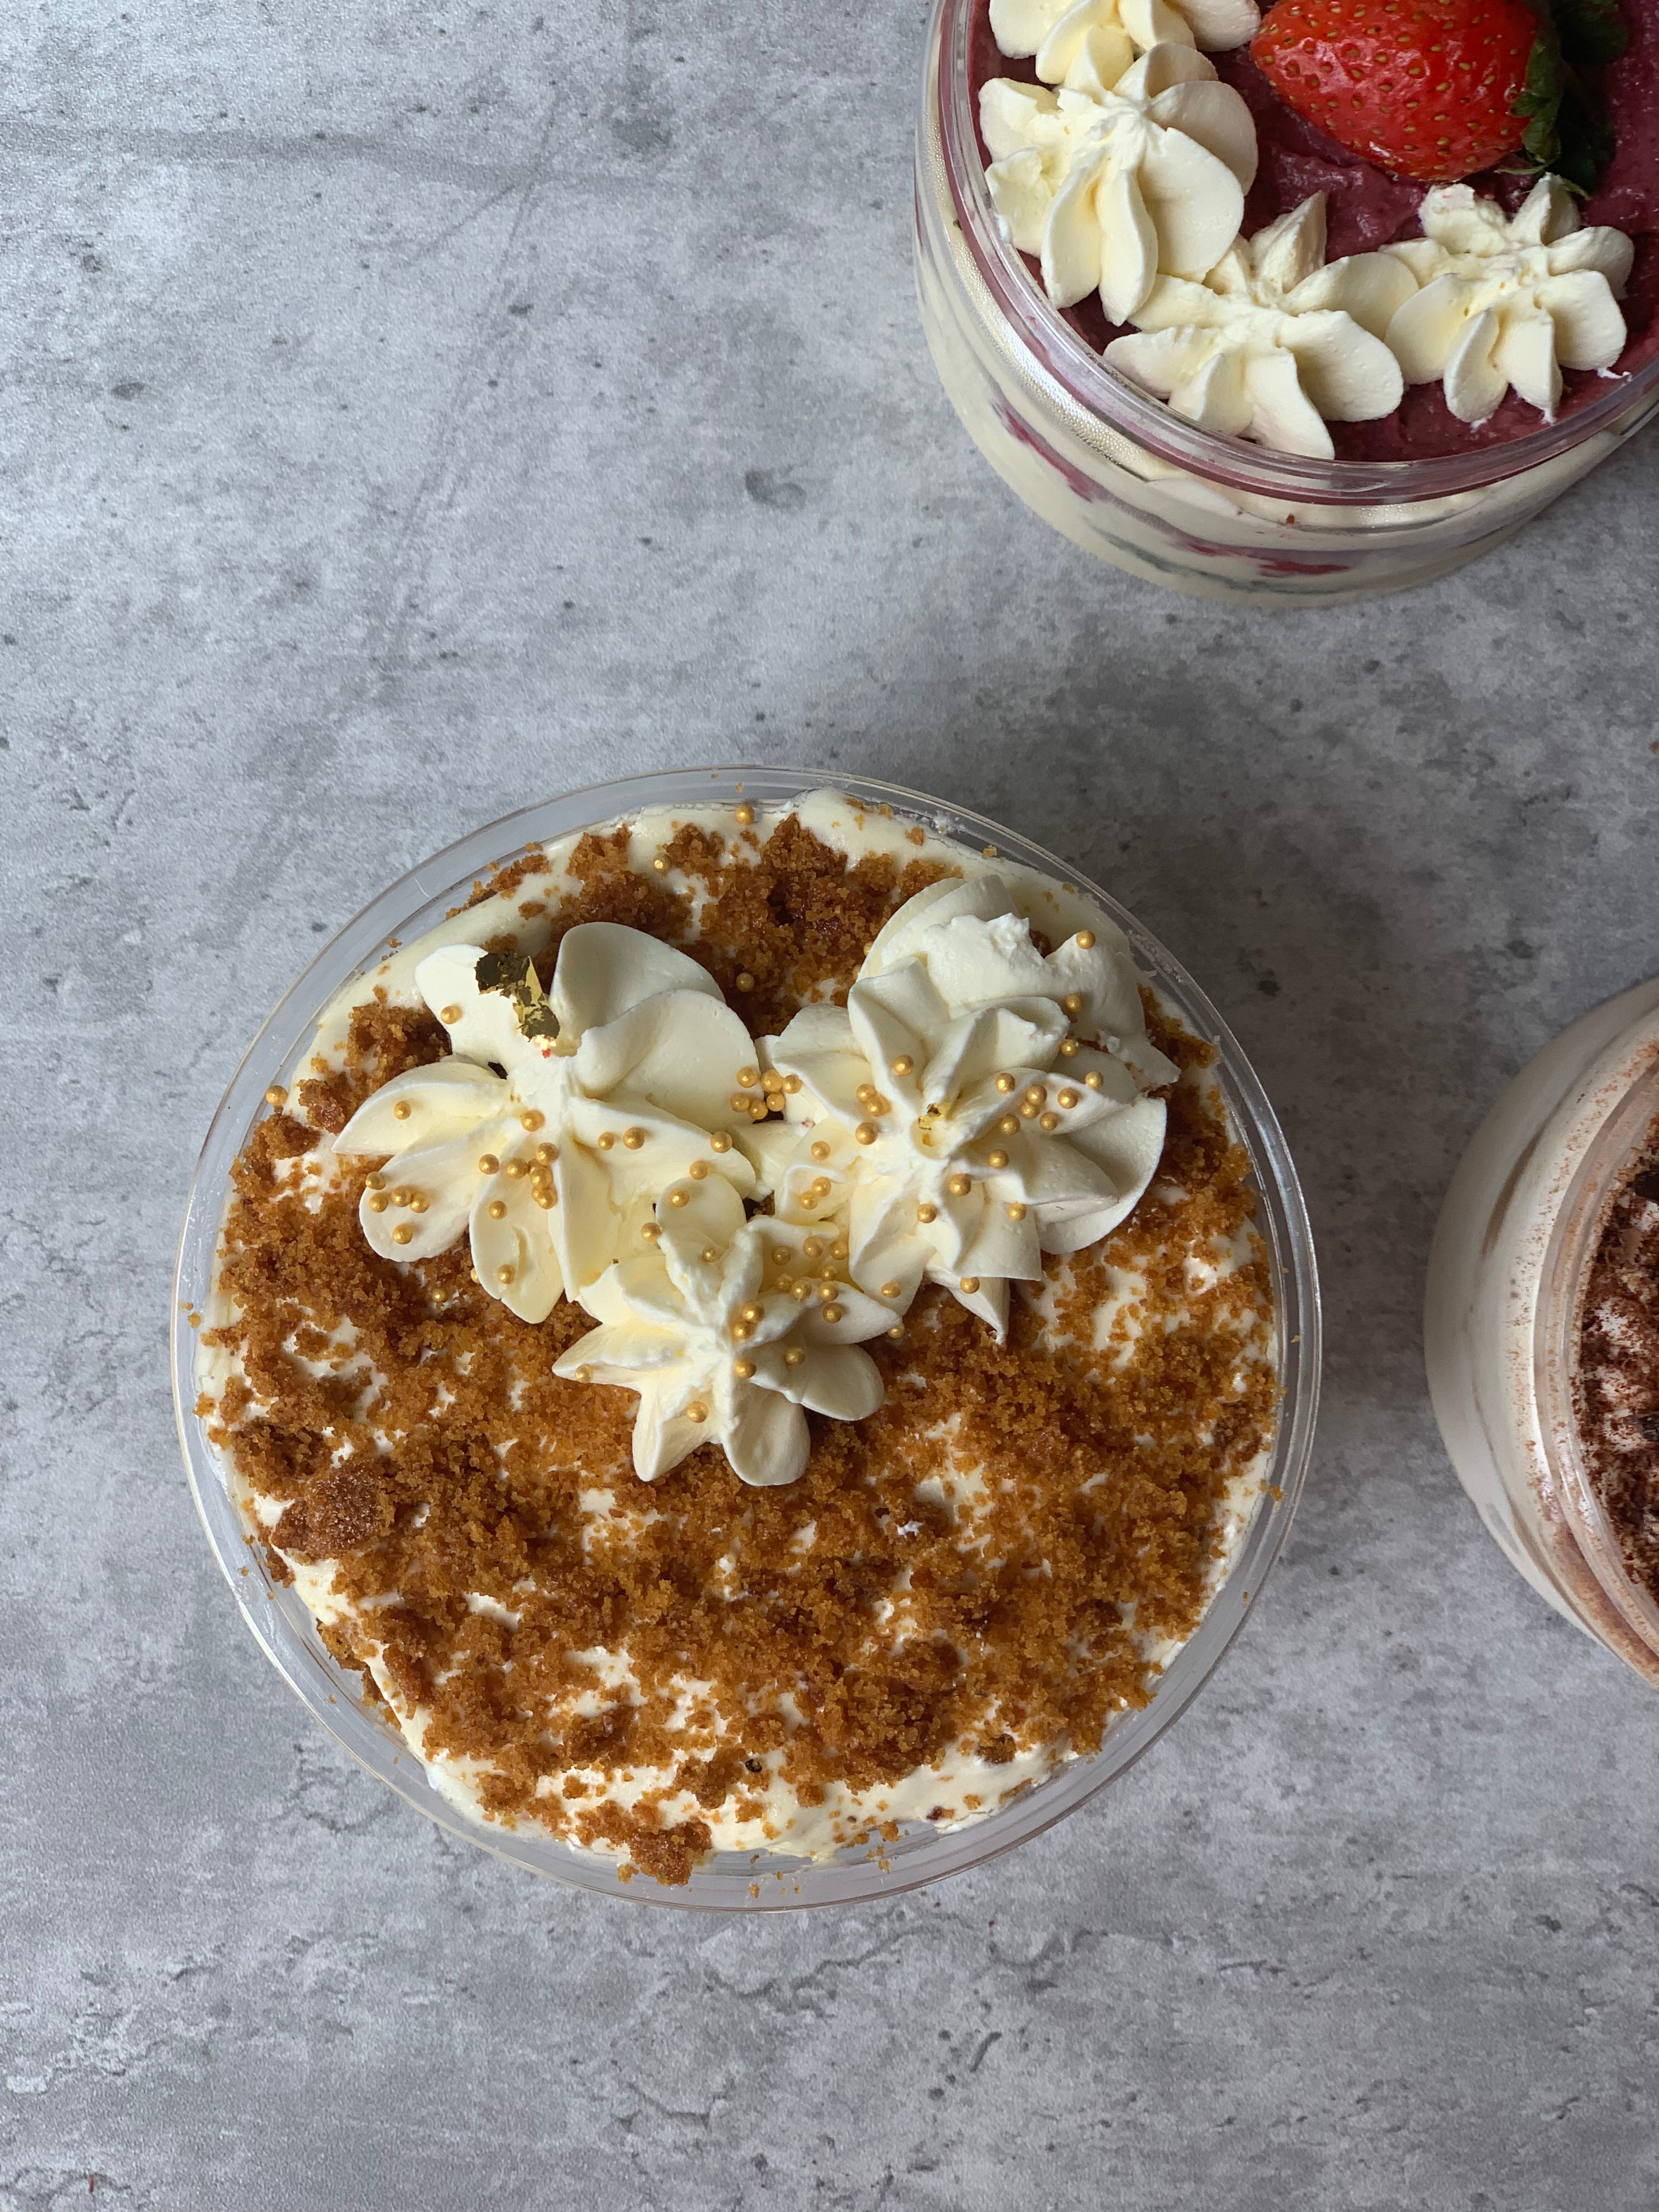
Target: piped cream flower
{"x": 1508, "y": 300}
{"x": 729, "y": 1329}
{"x": 549, "y": 1134}
{"x": 1109, "y": 187}
{"x": 949, "y": 1115}
{"x": 1275, "y": 343}
{"x": 1068, "y": 36}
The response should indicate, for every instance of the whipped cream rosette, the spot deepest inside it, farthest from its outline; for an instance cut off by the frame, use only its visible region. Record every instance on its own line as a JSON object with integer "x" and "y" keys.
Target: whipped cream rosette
{"x": 1275, "y": 342}
{"x": 1108, "y": 186}
{"x": 1067, "y": 35}
{"x": 729, "y": 1329}
{"x": 950, "y": 1114}
{"x": 1508, "y": 300}
{"x": 548, "y": 1133}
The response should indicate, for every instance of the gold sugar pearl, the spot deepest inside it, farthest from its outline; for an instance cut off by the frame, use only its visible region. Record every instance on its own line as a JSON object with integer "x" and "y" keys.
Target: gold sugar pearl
{"x": 891, "y": 1290}
{"x": 1035, "y": 1095}
{"x": 959, "y": 1186}
{"x": 758, "y": 1112}
{"x": 1008, "y": 1124}
{"x": 544, "y": 1195}
{"x": 866, "y": 1092}
{"x": 969, "y": 1284}
{"x": 531, "y": 1118}
{"x": 400, "y": 1196}
{"x": 449, "y": 1013}
{"x": 745, "y": 981}
{"x": 904, "y": 1064}
{"x": 896, "y": 1331}
{"x": 582, "y": 1373}
{"x": 781, "y": 1256}
{"x": 719, "y": 1142}
{"x": 748, "y": 1078}
{"x": 825, "y": 1291}
{"x": 927, "y": 1214}
{"x": 660, "y": 865}
{"x": 794, "y": 1357}
{"x": 800, "y": 1292}
{"x": 697, "y": 1171}
{"x": 696, "y": 1410}
{"x": 545, "y": 1155}
{"x": 488, "y": 1163}
{"x": 516, "y": 1170}
{"x": 750, "y": 1312}
{"x": 813, "y": 1248}
{"x": 1072, "y": 1003}
{"x": 745, "y": 814}
{"x": 679, "y": 1198}
{"x": 650, "y": 1230}
{"x": 417, "y": 1201}
{"x": 276, "y": 1095}
{"x": 833, "y": 1313}
{"x": 784, "y": 1285}
{"x": 401, "y": 1234}
{"x": 708, "y": 1255}
{"x": 820, "y": 1151}
{"x": 822, "y": 1186}
{"x": 1027, "y": 1111}
{"x": 633, "y": 1139}
{"x": 827, "y": 1272}
{"x": 1069, "y": 1048}
{"x": 375, "y": 1181}
{"x": 1005, "y": 1083}
{"x": 998, "y": 1159}
{"x": 770, "y": 1079}
{"x": 838, "y": 1250}
{"x": 402, "y": 1110}
{"x": 1085, "y": 939}
{"x": 1068, "y": 1098}
{"x": 378, "y": 1202}
{"x": 741, "y": 1332}
{"x": 1015, "y": 1211}
{"x": 496, "y": 1209}
{"x": 1094, "y": 1078}
{"x": 866, "y": 1132}
{"x": 792, "y": 1085}
{"x": 1049, "y": 1120}
{"x": 503, "y": 1274}
{"x": 743, "y": 1369}
{"x": 606, "y": 1141}
{"x": 737, "y": 1102}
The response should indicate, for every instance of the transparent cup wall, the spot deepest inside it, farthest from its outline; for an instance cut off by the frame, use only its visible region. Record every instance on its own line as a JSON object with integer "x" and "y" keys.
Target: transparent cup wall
{"x": 282, "y": 1626}
{"x": 1127, "y": 480}
{"x": 1506, "y": 1273}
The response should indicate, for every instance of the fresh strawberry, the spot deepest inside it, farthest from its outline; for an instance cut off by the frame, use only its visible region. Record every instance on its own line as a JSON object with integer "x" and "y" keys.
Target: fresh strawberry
{"x": 1426, "y": 88}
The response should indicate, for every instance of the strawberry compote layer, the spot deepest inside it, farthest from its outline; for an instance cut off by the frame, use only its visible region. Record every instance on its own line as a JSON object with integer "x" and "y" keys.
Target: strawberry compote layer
{"x": 1367, "y": 208}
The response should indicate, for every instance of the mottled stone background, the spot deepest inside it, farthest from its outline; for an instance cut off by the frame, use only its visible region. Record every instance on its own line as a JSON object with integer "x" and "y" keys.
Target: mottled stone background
{"x": 412, "y": 410}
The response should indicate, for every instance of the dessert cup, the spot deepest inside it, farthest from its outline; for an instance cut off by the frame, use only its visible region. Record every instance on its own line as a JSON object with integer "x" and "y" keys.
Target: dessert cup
{"x": 283, "y": 1625}
{"x": 1512, "y": 1251}
{"x": 1130, "y": 481}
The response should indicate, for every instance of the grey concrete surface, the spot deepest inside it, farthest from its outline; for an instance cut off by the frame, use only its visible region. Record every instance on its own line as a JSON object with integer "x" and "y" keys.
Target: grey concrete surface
{"x": 413, "y": 408}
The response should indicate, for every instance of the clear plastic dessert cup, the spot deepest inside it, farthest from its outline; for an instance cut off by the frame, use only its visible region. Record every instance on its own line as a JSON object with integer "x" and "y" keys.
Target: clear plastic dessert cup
{"x": 282, "y": 1626}
{"x": 1126, "y": 478}
{"x": 1507, "y": 1273}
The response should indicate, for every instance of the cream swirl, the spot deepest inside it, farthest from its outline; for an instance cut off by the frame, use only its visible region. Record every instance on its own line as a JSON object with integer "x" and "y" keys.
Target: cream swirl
{"x": 1275, "y": 343}
{"x": 1068, "y": 36}
{"x": 548, "y": 1133}
{"x": 948, "y": 1113}
{"x": 1110, "y": 187}
{"x": 730, "y": 1330}
{"x": 1508, "y": 301}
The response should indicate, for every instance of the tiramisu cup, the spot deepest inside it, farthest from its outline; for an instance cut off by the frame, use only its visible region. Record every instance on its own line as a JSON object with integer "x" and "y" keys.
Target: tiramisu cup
{"x": 745, "y": 1342}
{"x": 1542, "y": 1324}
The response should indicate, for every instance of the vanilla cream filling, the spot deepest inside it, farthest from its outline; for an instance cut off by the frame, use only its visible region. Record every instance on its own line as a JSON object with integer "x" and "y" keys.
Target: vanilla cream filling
{"x": 960, "y": 1788}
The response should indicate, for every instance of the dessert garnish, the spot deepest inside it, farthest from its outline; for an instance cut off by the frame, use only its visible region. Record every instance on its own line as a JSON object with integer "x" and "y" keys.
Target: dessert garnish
{"x": 951, "y": 1109}
{"x": 549, "y": 1132}
{"x": 1508, "y": 300}
{"x": 727, "y": 1327}
{"x": 1055, "y": 31}
{"x": 1275, "y": 342}
{"x": 1110, "y": 187}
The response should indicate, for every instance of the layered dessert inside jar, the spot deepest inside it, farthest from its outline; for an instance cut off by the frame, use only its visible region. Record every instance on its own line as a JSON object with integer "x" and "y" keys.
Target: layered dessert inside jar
{"x": 1616, "y": 1376}
{"x": 752, "y": 1335}
{"x": 1359, "y": 230}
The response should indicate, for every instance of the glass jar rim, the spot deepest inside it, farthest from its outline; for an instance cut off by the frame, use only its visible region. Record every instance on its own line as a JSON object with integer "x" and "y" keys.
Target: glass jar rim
{"x": 282, "y": 1626}
{"x": 1563, "y": 1285}
{"x": 1060, "y": 356}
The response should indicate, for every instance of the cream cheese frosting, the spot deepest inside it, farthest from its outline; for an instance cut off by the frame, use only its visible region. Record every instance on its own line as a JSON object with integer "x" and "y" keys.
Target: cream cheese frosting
{"x": 1111, "y": 184}
{"x": 1508, "y": 301}
{"x": 949, "y": 1115}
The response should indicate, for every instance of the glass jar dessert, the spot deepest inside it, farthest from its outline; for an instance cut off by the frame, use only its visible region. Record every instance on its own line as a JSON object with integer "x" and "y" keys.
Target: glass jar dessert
{"x": 1105, "y": 460}
{"x": 1544, "y": 1410}
{"x": 663, "y": 1440}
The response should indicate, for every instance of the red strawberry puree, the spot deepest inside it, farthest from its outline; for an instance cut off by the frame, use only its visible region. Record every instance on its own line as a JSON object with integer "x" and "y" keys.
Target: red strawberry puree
{"x": 1367, "y": 207}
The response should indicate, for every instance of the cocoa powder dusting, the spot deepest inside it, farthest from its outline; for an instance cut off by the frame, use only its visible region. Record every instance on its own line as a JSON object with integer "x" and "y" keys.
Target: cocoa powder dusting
{"x": 1617, "y": 1383}
{"x": 437, "y": 1457}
